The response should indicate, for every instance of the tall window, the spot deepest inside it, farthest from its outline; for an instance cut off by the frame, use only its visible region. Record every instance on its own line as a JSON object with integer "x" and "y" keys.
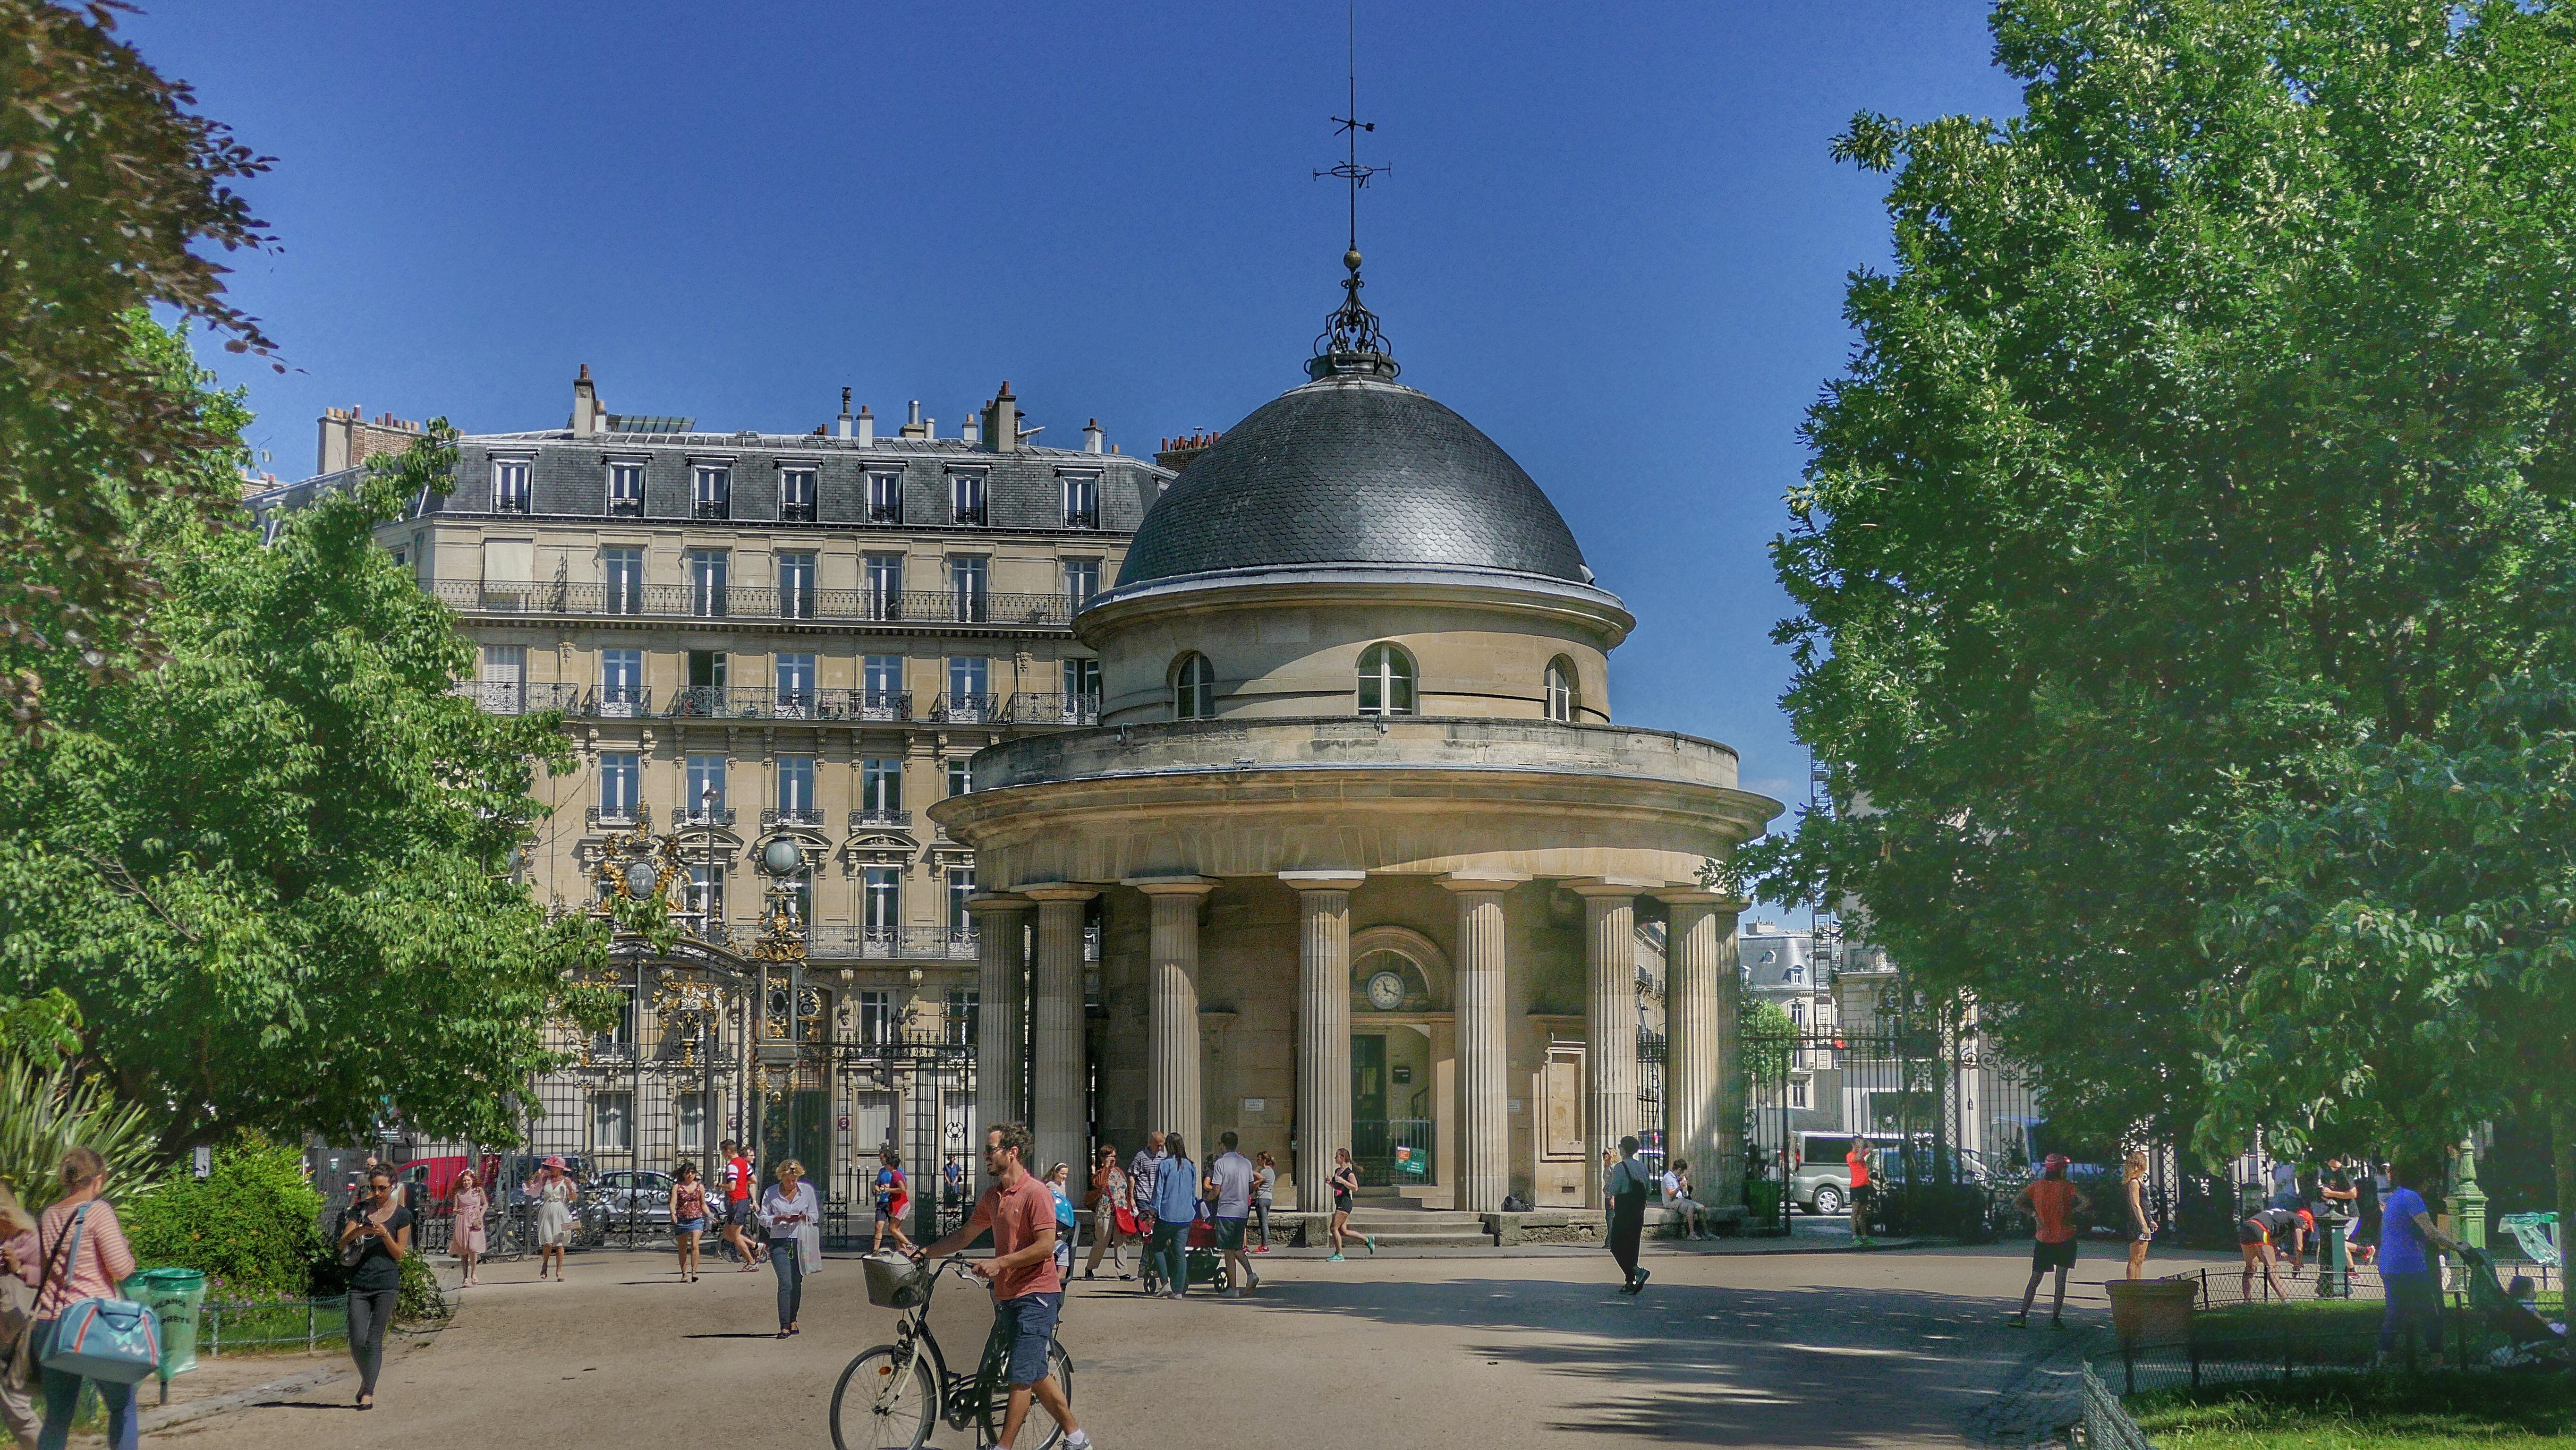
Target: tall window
{"x": 509, "y": 485}
{"x": 505, "y": 678}
{"x": 1194, "y": 689}
{"x": 626, "y": 490}
{"x": 708, "y": 572}
{"x": 966, "y": 498}
{"x": 612, "y": 1122}
{"x": 1797, "y": 1092}
{"x": 885, "y": 498}
{"x": 881, "y": 688}
{"x": 796, "y": 791}
{"x": 961, "y": 774}
{"x": 967, "y": 679}
{"x": 883, "y": 574}
{"x": 706, "y": 893}
{"x": 1082, "y": 689}
{"x": 876, "y": 1017}
{"x": 1386, "y": 681}
{"x": 706, "y": 788}
{"x": 621, "y": 782}
{"x": 711, "y": 491}
{"x": 621, "y": 572}
{"x": 796, "y": 586}
{"x": 1081, "y": 581}
{"x": 965, "y": 1009}
{"x": 881, "y": 789}
{"x": 796, "y": 495}
{"x": 694, "y": 1111}
{"x": 961, "y": 889}
{"x": 881, "y": 900}
{"x": 1559, "y": 690}
{"x": 1082, "y": 500}
{"x": 795, "y": 685}
{"x": 621, "y": 683}
{"x": 966, "y": 576}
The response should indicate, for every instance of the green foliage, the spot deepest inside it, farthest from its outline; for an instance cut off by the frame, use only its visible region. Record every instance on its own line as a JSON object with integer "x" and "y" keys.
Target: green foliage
{"x": 2200, "y": 502}
{"x": 250, "y": 1226}
{"x": 1765, "y": 1037}
{"x": 2365, "y": 1412}
{"x": 259, "y": 866}
{"x": 112, "y": 183}
{"x": 47, "y": 1109}
{"x": 419, "y": 1300}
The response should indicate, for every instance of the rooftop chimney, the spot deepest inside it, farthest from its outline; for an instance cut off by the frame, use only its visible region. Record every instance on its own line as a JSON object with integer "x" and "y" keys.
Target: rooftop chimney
{"x": 586, "y": 412}
{"x": 966, "y": 430}
{"x": 1177, "y": 452}
{"x": 913, "y": 426}
{"x": 1091, "y": 436}
{"x": 347, "y": 438}
{"x": 843, "y": 428}
{"x": 1002, "y": 421}
{"x": 867, "y": 427}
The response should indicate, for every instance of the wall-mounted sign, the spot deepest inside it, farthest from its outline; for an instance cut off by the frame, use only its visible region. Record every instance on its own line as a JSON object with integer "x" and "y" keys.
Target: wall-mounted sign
{"x": 1256, "y": 1105}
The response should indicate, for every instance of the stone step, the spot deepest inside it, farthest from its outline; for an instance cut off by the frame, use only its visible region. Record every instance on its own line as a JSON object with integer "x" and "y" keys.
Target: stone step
{"x": 1419, "y": 1238}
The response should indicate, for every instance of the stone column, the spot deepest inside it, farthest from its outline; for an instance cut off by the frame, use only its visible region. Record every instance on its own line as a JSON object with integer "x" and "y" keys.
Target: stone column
{"x": 1609, "y": 1020}
{"x": 1056, "y": 1076}
{"x": 1703, "y": 1080}
{"x": 1323, "y": 1028}
{"x": 1001, "y": 1065}
{"x": 1172, "y": 1096}
{"x": 1484, "y": 1122}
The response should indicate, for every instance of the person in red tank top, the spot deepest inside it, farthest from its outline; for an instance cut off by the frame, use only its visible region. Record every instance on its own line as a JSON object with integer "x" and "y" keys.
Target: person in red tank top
{"x": 736, "y": 1175}
{"x": 2054, "y": 1202}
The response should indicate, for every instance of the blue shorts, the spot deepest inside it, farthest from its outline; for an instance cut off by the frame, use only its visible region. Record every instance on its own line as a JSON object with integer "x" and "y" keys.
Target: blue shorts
{"x": 692, "y": 1225}
{"x": 1032, "y": 1319}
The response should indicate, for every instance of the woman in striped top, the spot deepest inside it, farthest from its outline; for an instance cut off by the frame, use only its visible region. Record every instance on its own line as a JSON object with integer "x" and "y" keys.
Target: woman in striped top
{"x": 70, "y": 1272}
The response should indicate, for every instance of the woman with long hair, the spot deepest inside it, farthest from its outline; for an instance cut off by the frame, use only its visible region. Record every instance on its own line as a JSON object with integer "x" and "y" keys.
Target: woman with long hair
{"x": 688, "y": 1219}
{"x": 1265, "y": 1179}
{"x": 1112, "y": 1224}
{"x": 1176, "y": 1207}
{"x": 80, "y": 1253}
{"x": 2142, "y": 1229}
{"x": 555, "y": 1195}
{"x": 1345, "y": 1181}
{"x": 469, "y": 1238}
{"x": 375, "y": 1238}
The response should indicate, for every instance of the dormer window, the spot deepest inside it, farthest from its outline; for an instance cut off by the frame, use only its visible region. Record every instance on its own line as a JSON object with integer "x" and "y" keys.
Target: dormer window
{"x": 1194, "y": 688}
{"x": 509, "y": 485}
{"x": 711, "y": 491}
{"x": 626, "y": 490}
{"x": 1386, "y": 681}
{"x": 885, "y": 498}
{"x": 1082, "y": 500}
{"x": 966, "y": 498}
{"x": 796, "y": 495}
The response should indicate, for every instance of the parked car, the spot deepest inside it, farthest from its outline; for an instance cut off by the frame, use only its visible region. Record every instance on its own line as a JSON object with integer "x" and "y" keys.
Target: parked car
{"x": 630, "y": 1193}
{"x": 1820, "y": 1179}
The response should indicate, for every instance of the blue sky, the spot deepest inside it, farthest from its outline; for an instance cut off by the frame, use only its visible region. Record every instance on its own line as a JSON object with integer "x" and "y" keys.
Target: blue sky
{"x": 1610, "y": 236}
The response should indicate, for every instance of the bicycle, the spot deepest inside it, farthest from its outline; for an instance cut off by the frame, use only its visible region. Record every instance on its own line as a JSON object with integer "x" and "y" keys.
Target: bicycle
{"x": 898, "y": 1393}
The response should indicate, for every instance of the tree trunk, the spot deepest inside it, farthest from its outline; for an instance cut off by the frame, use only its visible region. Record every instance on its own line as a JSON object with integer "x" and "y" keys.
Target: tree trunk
{"x": 2562, "y": 1162}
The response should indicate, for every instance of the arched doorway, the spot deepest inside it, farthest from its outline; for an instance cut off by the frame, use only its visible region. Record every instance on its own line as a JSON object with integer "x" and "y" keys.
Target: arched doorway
{"x": 1401, "y": 1058}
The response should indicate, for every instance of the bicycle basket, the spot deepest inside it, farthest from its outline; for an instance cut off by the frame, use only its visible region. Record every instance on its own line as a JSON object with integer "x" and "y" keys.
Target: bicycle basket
{"x": 895, "y": 1282}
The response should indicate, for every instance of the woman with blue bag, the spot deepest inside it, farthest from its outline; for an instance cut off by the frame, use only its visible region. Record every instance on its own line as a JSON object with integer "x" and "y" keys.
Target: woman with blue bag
{"x": 83, "y": 1330}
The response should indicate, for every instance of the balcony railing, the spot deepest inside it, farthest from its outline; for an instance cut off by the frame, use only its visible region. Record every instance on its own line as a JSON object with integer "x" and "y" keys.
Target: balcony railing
{"x": 689, "y": 601}
{"x": 504, "y": 697}
{"x": 1082, "y": 519}
{"x": 709, "y": 816}
{"x": 753, "y": 702}
{"x": 796, "y": 513}
{"x": 865, "y": 818}
{"x": 713, "y": 508}
{"x": 1032, "y": 708}
{"x": 965, "y": 515}
{"x": 810, "y": 817}
{"x": 885, "y": 513}
{"x": 618, "y": 703}
{"x": 967, "y": 709}
{"x": 890, "y": 943}
{"x": 599, "y": 818}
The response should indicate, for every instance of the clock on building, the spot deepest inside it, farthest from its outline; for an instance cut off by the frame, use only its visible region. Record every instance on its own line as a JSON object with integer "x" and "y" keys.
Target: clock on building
{"x": 1385, "y": 991}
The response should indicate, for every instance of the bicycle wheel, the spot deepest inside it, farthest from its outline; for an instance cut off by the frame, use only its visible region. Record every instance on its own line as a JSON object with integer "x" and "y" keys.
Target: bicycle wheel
{"x": 1060, "y": 1366}
{"x": 880, "y": 1413}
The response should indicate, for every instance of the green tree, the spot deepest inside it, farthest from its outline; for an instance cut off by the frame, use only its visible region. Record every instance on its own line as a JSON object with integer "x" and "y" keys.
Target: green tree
{"x": 2198, "y": 497}
{"x": 252, "y": 1225}
{"x": 113, "y": 185}
{"x": 276, "y": 871}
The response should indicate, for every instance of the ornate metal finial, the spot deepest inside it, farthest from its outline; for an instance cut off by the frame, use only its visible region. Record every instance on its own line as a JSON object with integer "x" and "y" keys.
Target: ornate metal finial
{"x": 1351, "y": 341}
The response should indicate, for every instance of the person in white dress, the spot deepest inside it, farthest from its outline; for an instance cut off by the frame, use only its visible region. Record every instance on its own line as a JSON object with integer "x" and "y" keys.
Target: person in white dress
{"x": 555, "y": 1194}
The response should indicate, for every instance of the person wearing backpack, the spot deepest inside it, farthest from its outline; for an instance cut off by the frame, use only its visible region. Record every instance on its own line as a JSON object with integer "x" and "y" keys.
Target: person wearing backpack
{"x": 79, "y": 1254}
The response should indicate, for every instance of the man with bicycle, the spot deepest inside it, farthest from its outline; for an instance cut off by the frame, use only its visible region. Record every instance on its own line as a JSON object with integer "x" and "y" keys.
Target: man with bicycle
{"x": 1028, "y": 1292}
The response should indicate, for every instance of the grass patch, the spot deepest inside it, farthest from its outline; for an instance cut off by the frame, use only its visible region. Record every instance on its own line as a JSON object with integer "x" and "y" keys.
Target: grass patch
{"x": 2364, "y": 1412}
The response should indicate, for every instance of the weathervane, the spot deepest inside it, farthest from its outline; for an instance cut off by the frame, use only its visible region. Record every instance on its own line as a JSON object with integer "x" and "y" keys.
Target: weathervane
{"x": 1351, "y": 342}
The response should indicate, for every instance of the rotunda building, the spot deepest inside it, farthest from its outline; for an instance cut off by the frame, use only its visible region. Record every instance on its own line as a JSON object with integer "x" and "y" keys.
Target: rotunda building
{"x": 1362, "y": 851}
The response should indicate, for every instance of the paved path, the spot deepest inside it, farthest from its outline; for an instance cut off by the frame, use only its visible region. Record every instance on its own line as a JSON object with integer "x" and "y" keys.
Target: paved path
{"x": 1879, "y": 1349}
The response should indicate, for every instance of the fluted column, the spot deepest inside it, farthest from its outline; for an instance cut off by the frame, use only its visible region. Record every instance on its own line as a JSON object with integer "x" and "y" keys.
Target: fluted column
{"x": 1001, "y": 928}
{"x": 1172, "y": 1094}
{"x": 1056, "y": 1068}
{"x": 1609, "y": 1019}
{"x": 1323, "y": 1028}
{"x": 1484, "y": 1123}
{"x": 1703, "y": 1089}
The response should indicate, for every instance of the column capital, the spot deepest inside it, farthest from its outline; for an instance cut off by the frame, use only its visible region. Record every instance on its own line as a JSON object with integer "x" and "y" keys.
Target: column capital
{"x": 1058, "y": 890}
{"x": 997, "y": 901}
{"x": 1172, "y": 885}
{"x": 1613, "y": 886}
{"x": 1481, "y": 881}
{"x": 1699, "y": 896}
{"x": 1323, "y": 880}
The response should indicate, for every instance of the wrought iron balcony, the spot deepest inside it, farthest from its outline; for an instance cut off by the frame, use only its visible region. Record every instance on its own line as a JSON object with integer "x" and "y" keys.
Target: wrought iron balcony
{"x": 842, "y": 941}
{"x": 626, "y": 508}
{"x": 1082, "y": 519}
{"x": 866, "y": 818}
{"x": 965, "y": 515}
{"x": 503, "y": 697}
{"x": 618, "y": 703}
{"x": 885, "y": 513}
{"x": 713, "y": 817}
{"x": 510, "y": 503}
{"x": 810, "y": 817}
{"x": 1033, "y": 708}
{"x": 755, "y": 702}
{"x": 600, "y": 818}
{"x": 967, "y": 709}
{"x": 796, "y": 513}
{"x": 713, "y": 508}
{"x": 693, "y": 601}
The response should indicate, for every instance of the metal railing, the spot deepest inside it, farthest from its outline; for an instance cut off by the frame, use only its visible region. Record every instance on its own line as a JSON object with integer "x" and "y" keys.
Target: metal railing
{"x": 865, "y": 817}
{"x": 757, "y": 702}
{"x": 2103, "y": 1423}
{"x": 595, "y": 817}
{"x": 690, "y": 601}
{"x": 716, "y": 816}
{"x": 967, "y": 708}
{"x": 809, "y": 816}
{"x": 1035, "y": 708}
{"x": 503, "y": 697}
{"x": 840, "y": 941}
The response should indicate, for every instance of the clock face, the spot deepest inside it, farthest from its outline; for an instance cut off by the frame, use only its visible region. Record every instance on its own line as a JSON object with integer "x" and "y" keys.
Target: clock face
{"x": 1386, "y": 991}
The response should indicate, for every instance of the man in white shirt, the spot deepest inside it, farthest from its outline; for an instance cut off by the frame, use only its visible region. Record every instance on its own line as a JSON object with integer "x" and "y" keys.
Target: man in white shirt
{"x": 1677, "y": 1199}
{"x": 1230, "y": 1179}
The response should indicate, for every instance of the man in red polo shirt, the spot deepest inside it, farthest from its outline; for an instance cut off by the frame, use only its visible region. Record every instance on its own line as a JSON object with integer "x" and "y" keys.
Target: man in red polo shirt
{"x": 1028, "y": 1291}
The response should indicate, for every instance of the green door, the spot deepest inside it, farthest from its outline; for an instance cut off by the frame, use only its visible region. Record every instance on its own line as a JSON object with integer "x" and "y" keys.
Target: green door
{"x": 1372, "y": 1148}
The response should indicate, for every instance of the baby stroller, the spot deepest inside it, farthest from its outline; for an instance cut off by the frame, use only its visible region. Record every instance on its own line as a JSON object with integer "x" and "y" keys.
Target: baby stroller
{"x": 1199, "y": 1258}
{"x": 2530, "y": 1339}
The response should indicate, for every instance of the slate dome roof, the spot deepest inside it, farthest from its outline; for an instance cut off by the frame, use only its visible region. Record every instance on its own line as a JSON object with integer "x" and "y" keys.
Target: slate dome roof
{"x": 1353, "y": 470}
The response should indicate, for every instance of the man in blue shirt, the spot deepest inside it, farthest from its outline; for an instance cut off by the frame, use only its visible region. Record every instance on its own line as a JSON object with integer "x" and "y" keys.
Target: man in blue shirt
{"x": 2413, "y": 1280}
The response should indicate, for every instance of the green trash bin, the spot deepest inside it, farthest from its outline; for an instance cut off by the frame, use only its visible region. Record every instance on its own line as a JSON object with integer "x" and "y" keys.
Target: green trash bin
{"x": 175, "y": 1297}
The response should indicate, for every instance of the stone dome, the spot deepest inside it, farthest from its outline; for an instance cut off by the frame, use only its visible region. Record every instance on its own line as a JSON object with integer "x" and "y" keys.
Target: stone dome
{"x": 1353, "y": 470}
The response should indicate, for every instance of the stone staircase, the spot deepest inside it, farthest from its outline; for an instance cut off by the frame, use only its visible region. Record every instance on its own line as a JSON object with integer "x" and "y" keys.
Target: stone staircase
{"x": 1396, "y": 1223}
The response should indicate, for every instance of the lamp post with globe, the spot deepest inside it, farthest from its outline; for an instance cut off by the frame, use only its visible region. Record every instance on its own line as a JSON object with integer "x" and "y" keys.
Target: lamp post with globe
{"x": 781, "y": 944}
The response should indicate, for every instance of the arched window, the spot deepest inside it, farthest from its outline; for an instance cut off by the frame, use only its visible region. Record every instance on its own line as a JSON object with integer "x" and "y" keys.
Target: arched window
{"x": 1560, "y": 690}
{"x": 1386, "y": 681}
{"x": 1194, "y": 688}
